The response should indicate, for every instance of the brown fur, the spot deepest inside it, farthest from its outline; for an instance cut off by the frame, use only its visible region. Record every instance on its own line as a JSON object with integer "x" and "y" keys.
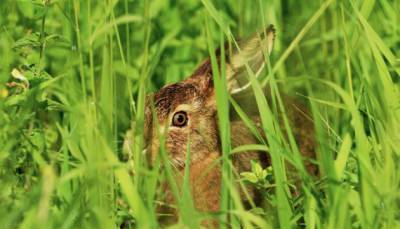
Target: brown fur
{"x": 204, "y": 144}
{"x": 196, "y": 97}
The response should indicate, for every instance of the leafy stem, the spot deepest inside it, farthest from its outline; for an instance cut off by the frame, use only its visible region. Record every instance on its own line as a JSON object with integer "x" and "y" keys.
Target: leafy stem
{"x": 42, "y": 39}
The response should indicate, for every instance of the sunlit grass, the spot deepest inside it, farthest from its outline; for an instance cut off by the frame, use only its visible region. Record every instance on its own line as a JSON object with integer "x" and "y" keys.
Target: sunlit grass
{"x": 87, "y": 66}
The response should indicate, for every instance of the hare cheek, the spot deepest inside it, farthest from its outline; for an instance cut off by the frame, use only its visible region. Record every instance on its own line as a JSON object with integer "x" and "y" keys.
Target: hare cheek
{"x": 176, "y": 143}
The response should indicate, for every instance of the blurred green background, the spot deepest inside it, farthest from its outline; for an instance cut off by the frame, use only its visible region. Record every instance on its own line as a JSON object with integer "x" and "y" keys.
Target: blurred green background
{"x": 71, "y": 72}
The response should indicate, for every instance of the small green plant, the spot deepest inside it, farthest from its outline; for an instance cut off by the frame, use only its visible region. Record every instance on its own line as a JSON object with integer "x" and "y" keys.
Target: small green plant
{"x": 260, "y": 177}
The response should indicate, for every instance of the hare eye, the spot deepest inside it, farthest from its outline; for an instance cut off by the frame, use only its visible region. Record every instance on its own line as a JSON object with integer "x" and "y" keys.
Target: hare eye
{"x": 180, "y": 119}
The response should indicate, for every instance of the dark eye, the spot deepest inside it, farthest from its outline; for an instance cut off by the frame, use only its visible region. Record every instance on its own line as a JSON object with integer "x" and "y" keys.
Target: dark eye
{"x": 180, "y": 119}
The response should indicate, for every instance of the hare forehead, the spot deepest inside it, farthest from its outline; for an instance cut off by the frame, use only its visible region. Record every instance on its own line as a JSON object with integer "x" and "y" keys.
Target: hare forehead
{"x": 174, "y": 96}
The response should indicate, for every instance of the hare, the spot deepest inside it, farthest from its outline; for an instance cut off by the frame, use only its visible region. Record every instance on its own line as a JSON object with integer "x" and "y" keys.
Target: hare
{"x": 186, "y": 114}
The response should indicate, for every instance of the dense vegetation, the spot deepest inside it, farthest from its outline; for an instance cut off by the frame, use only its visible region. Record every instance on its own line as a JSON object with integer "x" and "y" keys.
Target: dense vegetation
{"x": 73, "y": 75}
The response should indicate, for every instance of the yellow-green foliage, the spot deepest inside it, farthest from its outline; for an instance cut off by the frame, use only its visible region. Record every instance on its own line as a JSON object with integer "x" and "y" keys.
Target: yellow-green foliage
{"x": 74, "y": 73}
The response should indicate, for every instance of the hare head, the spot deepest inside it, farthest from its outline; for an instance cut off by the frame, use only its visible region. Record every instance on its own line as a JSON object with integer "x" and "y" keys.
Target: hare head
{"x": 186, "y": 112}
{"x": 183, "y": 116}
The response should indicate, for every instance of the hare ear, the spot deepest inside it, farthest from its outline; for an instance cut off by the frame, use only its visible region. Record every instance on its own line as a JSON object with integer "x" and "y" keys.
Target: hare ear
{"x": 202, "y": 78}
{"x": 251, "y": 52}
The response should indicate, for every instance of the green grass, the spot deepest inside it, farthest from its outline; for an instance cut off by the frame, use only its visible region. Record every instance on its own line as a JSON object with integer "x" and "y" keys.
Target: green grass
{"x": 74, "y": 75}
